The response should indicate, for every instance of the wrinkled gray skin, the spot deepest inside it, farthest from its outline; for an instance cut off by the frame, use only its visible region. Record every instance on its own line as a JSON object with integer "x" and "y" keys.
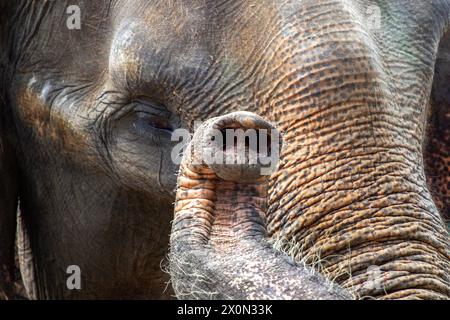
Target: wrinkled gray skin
{"x": 87, "y": 116}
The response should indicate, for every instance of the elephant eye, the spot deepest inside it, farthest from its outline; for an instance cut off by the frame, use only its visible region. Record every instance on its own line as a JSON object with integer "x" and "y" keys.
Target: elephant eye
{"x": 150, "y": 116}
{"x": 143, "y": 118}
{"x": 153, "y": 118}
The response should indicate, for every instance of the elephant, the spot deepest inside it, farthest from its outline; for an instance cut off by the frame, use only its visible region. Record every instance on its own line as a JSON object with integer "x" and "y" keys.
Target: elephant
{"x": 92, "y": 93}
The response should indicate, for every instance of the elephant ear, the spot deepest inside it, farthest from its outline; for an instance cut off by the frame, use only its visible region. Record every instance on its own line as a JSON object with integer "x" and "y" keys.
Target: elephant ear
{"x": 437, "y": 149}
{"x": 8, "y": 173}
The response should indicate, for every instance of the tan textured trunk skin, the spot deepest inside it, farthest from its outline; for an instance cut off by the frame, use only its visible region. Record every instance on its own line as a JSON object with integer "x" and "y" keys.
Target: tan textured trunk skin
{"x": 386, "y": 223}
{"x": 350, "y": 194}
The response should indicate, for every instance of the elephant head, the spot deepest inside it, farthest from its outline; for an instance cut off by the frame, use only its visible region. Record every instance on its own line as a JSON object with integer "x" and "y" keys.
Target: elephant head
{"x": 93, "y": 91}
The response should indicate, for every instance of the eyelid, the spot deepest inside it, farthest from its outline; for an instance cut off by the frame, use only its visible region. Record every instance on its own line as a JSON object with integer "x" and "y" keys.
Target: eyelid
{"x": 151, "y": 109}
{"x": 141, "y": 107}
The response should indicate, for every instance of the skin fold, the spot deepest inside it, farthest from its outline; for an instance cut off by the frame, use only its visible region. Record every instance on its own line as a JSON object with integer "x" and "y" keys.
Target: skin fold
{"x": 357, "y": 207}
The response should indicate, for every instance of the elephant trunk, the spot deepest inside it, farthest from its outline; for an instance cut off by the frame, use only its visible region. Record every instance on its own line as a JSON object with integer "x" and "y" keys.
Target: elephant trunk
{"x": 351, "y": 198}
{"x": 366, "y": 221}
{"x": 219, "y": 247}
{"x": 350, "y": 195}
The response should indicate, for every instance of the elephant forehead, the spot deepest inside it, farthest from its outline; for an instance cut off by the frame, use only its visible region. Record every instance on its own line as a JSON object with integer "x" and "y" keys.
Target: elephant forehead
{"x": 179, "y": 40}
{"x": 139, "y": 50}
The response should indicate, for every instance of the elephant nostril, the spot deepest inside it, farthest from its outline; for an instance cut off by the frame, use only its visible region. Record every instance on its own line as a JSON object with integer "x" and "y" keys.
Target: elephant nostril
{"x": 223, "y": 133}
{"x": 264, "y": 143}
{"x": 258, "y": 142}
{"x": 242, "y": 146}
